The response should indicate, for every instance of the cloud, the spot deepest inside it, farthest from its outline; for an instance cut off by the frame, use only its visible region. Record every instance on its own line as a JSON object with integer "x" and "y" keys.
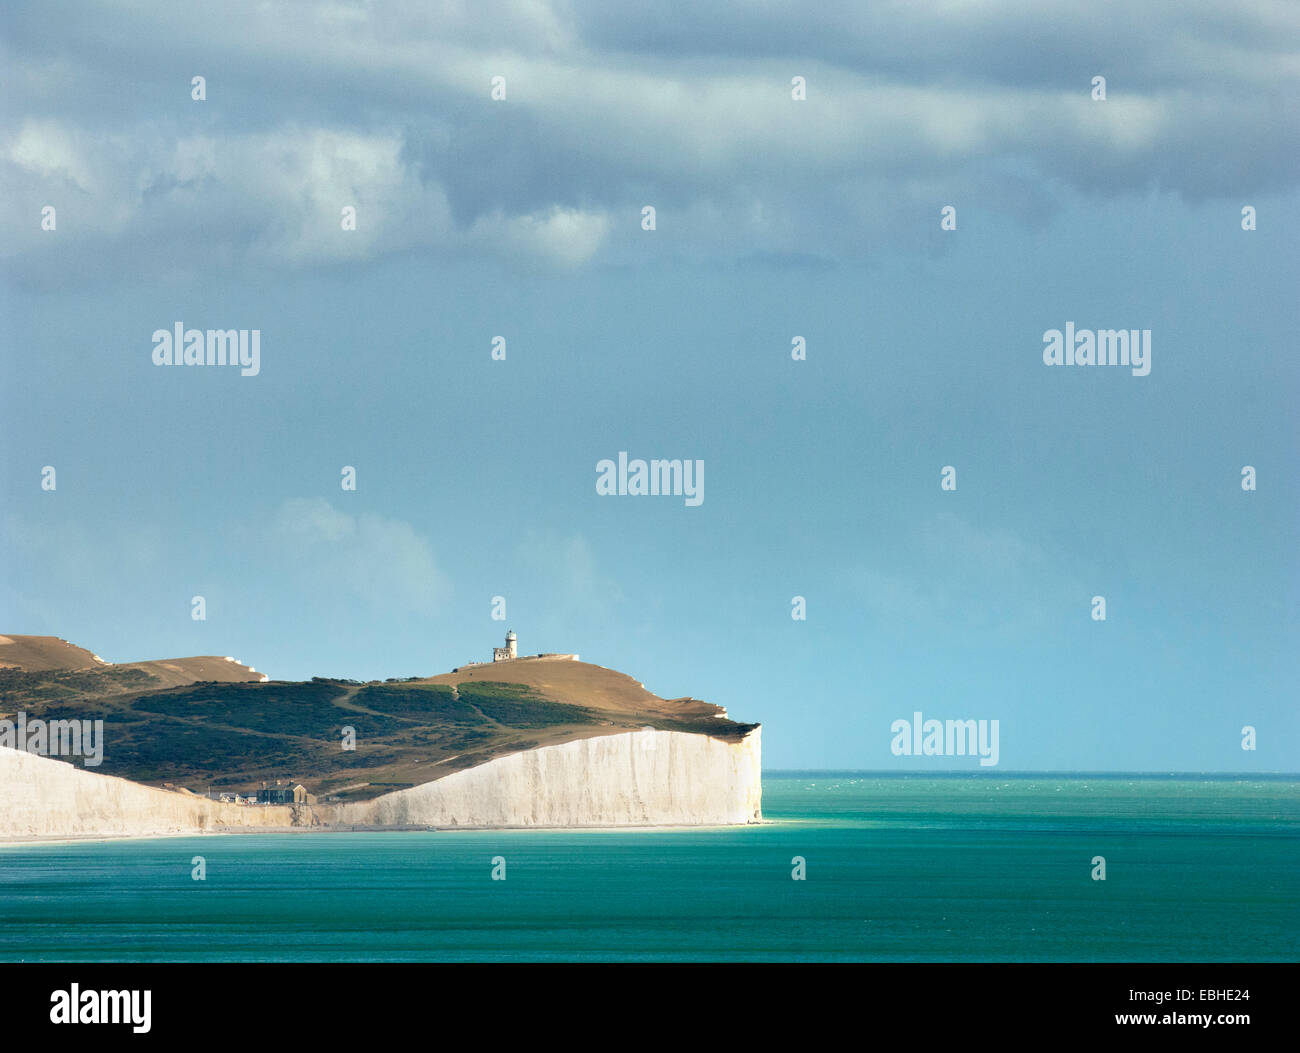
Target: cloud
{"x": 68, "y": 552}
{"x": 386, "y": 106}
{"x": 955, "y": 574}
{"x": 336, "y": 555}
{"x": 59, "y": 568}
{"x": 575, "y": 584}
{"x": 562, "y": 236}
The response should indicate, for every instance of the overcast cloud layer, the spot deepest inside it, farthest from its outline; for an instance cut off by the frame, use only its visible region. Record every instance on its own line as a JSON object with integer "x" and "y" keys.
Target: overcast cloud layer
{"x": 386, "y": 106}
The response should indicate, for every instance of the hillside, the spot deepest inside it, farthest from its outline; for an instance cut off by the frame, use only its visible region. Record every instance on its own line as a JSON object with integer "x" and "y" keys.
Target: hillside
{"x": 233, "y": 729}
{"x": 35, "y": 653}
{"x": 49, "y": 653}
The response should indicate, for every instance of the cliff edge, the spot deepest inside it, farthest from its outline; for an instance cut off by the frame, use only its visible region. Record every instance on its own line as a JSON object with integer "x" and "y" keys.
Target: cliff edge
{"x": 524, "y": 741}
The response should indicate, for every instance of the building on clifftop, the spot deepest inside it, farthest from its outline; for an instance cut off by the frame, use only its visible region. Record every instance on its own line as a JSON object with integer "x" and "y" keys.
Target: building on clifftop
{"x": 509, "y": 651}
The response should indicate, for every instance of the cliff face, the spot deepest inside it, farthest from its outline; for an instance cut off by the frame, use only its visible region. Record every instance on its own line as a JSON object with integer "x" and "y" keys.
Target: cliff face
{"x": 44, "y": 798}
{"x": 533, "y": 741}
{"x": 643, "y": 778}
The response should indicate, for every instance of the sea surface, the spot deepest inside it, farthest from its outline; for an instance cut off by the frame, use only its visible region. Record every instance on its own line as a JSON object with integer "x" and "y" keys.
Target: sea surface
{"x": 898, "y": 868}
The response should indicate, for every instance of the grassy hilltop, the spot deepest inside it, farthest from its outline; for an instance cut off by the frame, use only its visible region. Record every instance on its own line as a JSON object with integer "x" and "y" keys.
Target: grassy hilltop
{"x": 233, "y": 734}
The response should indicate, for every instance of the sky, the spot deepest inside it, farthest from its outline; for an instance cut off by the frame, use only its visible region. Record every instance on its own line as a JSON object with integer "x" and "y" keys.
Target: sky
{"x": 775, "y": 218}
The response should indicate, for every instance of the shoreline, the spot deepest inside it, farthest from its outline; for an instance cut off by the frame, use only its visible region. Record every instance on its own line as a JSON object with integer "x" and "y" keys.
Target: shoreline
{"x": 14, "y": 842}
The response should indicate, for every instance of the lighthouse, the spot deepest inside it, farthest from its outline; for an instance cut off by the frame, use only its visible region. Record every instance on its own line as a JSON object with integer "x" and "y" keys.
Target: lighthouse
{"x": 509, "y": 651}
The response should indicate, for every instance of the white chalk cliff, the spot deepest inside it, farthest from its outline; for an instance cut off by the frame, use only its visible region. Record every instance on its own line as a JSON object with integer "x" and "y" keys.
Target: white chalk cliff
{"x": 643, "y": 778}
{"x": 45, "y": 798}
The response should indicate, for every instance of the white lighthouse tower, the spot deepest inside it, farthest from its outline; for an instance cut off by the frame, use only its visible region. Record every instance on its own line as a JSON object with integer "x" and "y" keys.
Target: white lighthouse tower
{"x": 509, "y": 651}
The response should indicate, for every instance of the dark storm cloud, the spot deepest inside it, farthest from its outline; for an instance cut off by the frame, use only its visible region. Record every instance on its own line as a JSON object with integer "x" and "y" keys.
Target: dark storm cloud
{"x": 385, "y": 106}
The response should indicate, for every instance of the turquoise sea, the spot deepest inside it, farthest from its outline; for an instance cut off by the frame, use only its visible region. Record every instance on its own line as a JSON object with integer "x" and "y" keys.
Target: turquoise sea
{"x": 898, "y": 868}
